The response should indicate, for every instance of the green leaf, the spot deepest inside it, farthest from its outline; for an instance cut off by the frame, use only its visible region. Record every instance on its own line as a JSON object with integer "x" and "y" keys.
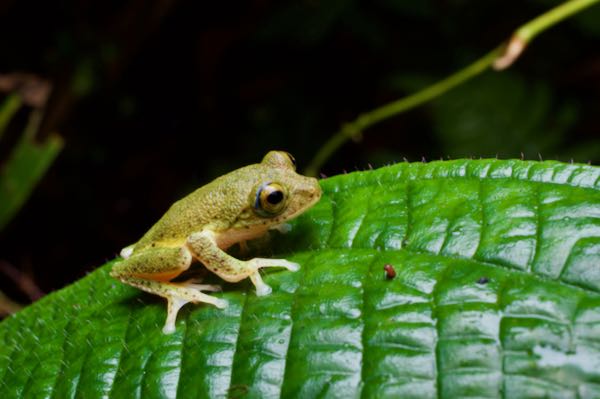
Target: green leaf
{"x": 20, "y": 174}
{"x": 27, "y": 161}
{"x": 497, "y": 294}
{"x": 8, "y": 108}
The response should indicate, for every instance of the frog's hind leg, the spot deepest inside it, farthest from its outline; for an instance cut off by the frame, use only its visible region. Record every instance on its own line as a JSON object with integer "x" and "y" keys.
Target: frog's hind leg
{"x": 177, "y": 295}
{"x": 151, "y": 270}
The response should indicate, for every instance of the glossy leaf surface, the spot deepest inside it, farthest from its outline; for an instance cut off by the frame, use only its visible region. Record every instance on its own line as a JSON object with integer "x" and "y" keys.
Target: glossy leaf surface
{"x": 496, "y": 294}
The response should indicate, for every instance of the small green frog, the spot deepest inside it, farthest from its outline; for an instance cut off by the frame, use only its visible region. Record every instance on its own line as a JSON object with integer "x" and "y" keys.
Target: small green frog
{"x": 233, "y": 208}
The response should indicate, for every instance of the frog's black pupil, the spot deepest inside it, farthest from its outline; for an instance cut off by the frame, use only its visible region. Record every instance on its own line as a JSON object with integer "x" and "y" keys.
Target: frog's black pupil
{"x": 275, "y": 197}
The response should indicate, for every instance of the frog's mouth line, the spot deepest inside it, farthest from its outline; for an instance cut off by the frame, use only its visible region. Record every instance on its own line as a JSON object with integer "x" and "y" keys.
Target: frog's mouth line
{"x": 312, "y": 203}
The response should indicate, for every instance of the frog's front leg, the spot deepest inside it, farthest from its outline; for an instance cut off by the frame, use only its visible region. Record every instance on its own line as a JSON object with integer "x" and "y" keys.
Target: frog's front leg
{"x": 204, "y": 247}
{"x": 151, "y": 269}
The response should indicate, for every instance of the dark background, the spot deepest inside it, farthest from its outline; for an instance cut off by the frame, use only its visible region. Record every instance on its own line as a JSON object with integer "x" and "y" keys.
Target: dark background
{"x": 155, "y": 98}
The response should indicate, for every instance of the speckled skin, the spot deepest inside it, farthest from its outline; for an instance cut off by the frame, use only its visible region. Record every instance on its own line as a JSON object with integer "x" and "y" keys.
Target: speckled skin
{"x": 206, "y": 222}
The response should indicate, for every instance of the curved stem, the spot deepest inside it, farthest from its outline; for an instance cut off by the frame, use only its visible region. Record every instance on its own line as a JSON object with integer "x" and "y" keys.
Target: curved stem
{"x": 551, "y": 18}
{"x": 354, "y": 129}
{"x": 500, "y": 58}
{"x": 526, "y": 33}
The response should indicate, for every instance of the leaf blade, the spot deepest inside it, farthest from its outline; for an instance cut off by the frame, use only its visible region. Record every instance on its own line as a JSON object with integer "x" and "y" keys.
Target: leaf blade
{"x": 478, "y": 305}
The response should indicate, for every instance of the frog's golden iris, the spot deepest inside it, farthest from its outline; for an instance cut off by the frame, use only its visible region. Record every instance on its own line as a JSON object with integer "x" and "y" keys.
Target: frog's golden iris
{"x": 270, "y": 199}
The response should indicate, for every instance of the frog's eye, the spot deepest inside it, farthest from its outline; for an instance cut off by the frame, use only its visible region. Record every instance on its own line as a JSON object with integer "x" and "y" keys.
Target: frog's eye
{"x": 270, "y": 199}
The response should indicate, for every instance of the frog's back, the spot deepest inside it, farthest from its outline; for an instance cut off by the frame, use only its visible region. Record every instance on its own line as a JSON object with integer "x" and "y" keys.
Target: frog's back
{"x": 215, "y": 205}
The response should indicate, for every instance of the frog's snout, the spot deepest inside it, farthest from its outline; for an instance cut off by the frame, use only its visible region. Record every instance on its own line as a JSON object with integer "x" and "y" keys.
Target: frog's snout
{"x": 318, "y": 191}
{"x": 311, "y": 190}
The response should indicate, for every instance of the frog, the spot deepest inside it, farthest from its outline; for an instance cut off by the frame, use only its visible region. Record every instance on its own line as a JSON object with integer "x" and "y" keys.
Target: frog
{"x": 239, "y": 206}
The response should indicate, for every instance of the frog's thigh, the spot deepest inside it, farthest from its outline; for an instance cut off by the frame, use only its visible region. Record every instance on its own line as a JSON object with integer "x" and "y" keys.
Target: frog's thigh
{"x": 160, "y": 264}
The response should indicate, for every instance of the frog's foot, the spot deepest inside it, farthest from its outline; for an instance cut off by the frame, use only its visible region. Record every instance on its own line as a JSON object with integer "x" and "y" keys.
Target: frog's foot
{"x": 176, "y": 302}
{"x": 177, "y": 295}
{"x": 262, "y": 288}
{"x": 185, "y": 292}
{"x": 173, "y": 305}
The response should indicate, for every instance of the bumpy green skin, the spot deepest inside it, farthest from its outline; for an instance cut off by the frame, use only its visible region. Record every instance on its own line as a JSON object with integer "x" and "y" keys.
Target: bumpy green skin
{"x": 497, "y": 294}
{"x": 227, "y": 204}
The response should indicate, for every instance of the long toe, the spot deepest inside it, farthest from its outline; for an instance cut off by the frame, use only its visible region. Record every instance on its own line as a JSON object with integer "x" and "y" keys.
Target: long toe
{"x": 221, "y": 303}
{"x": 174, "y": 304}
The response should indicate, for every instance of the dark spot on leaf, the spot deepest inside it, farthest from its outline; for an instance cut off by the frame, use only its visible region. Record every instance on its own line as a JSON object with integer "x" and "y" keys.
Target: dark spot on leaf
{"x": 390, "y": 273}
{"x": 238, "y": 391}
{"x": 483, "y": 280}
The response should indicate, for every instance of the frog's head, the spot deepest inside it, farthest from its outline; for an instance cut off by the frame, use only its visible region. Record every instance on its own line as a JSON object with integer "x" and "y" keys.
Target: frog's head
{"x": 283, "y": 193}
{"x": 276, "y": 192}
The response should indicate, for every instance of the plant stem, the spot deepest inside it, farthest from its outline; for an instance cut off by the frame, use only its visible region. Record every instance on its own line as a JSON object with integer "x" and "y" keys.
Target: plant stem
{"x": 526, "y": 33}
{"x": 531, "y": 29}
{"x": 500, "y": 58}
{"x": 354, "y": 129}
